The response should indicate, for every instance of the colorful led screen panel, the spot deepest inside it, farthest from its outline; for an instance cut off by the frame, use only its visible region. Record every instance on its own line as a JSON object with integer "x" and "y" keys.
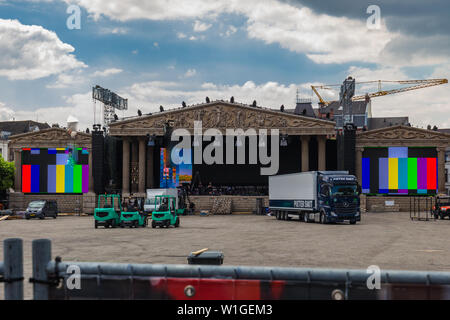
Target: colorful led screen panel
{"x": 55, "y": 170}
{"x": 175, "y": 170}
{"x": 399, "y": 170}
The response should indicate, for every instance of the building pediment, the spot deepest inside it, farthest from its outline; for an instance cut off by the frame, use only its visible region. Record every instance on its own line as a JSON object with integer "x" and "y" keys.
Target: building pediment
{"x": 222, "y": 115}
{"x": 402, "y": 135}
{"x": 52, "y": 137}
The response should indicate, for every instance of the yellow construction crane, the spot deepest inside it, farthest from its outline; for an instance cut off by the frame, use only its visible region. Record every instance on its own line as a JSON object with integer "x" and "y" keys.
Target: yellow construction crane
{"x": 416, "y": 84}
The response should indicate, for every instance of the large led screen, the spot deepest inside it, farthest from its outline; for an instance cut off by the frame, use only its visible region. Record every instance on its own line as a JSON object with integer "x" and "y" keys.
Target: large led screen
{"x": 399, "y": 170}
{"x": 173, "y": 175}
{"x": 55, "y": 170}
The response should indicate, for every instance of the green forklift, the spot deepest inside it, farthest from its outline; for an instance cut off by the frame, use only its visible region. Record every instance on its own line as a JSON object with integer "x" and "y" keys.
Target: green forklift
{"x": 132, "y": 217}
{"x": 108, "y": 211}
{"x": 166, "y": 214}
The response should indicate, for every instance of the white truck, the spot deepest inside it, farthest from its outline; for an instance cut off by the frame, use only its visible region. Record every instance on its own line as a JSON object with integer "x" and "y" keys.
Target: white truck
{"x": 319, "y": 196}
{"x": 149, "y": 204}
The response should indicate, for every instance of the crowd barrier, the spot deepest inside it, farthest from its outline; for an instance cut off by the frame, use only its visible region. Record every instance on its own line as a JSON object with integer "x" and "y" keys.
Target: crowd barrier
{"x": 158, "y": 281}
{"x": 11, "y": 269}
{"x": 54, "y": 279}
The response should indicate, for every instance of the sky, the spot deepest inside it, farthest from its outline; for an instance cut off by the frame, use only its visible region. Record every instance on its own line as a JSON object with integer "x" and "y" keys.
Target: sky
{"x": 163, "y": 52}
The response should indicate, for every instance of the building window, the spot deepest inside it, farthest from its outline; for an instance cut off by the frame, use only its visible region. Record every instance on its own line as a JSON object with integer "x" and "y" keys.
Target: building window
{"x": 446, "y": 175}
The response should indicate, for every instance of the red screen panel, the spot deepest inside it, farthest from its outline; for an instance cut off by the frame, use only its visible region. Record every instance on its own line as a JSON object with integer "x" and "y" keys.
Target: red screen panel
{"x": 26, "y": 178}
{"x": 431, "y": 173}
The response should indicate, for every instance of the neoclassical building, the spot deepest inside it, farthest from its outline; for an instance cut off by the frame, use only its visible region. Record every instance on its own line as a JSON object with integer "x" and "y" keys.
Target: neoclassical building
{"x": 47, "y": 143}
{"x": 306, "y": 140}
{"x": 404, "y": 136}
{"x": 306, "y": 143}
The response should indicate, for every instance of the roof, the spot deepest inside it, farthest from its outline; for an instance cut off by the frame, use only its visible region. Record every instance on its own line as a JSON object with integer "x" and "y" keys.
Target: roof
{"x": 61, "y": 131}
{"x": 50, "y": 138}
{"x": 304, "y": 109}
{"x": 445, "y": 130}
{"x": 214, "y": 103}
{"x": 18, "y": 127}
{"x": 384, "y": 122}
{"x": 358, "y": 107}
{"x": 404, "y": 136}
{"x": 222, "y": 114}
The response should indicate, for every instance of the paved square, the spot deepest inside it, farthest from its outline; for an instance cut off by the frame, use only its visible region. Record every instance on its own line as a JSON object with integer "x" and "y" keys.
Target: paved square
{"x": 389, "y": 240}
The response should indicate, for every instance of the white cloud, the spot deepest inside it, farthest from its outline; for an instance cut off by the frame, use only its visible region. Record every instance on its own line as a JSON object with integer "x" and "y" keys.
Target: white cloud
{"x": 6, "y": 113}
{"x": 156, "y": 44}
{"x": 231, "y": 30}
{"x": 32, "y": 52}
{"x": 65, "y": 80}
{"x": 208, "y": 85}
{"x": 79, "y": 105}
{"x": 107, "y": 72}
{"x": 190, "y": 73}
{"x": 150, "y": 95}
{"x": 200, "y": 26}
{"x": 181, "y": 35}
{"x": 424, "y": 106}
{"x": 323, "y": 38}
{"x": 71, "y": 79}
{"x": 115, "y": 30}
{"x": 126, "y": 10}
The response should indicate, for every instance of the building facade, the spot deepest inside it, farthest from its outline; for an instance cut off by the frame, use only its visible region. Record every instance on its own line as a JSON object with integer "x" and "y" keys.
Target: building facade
{"x": 419, "y": 142}
{"x": 70, "y": 199}
{"x": 447, "y": 171}
{"x": 306, "y": 140}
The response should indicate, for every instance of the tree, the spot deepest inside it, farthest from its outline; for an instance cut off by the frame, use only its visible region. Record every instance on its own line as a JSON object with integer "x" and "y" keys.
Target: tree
{"x": 6, "y": 174}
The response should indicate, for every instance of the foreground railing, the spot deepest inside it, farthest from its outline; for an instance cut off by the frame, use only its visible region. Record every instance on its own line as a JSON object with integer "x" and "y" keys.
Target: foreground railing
{"x": 57, "y": 279}
{"x": 91, "y": 280}
{"x": 11, "y": 269}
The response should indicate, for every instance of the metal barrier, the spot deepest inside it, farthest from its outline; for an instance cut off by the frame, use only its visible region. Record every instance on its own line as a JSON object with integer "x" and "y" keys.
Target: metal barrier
{"x": 11, "y": 269}
{"x": 53, "y": 280}
{"x": 421, "y": 207}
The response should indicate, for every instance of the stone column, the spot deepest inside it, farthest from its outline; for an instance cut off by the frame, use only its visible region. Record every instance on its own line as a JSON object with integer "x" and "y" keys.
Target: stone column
{"x": 358, "y": 164}
{"x": 91, "y": 179}
{"x": 134, "y": 166}
{"x": 441, "y": 169}
{"x": 142, "y": 150}
{"x": 322, "y": 149}
{"x": 126, "y": 167}
{"x": 305, "y": 153}
{"x": 150, "y": 164}
{"x": 18, "y": 175}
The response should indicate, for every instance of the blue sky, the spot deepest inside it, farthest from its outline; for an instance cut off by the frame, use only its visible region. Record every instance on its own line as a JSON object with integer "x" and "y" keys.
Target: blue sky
{"x": 164, "y": 52}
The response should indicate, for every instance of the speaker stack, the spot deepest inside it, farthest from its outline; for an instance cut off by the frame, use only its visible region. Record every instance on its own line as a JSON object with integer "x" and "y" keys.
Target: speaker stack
{"x": 98, "y": 150}
{"x": 346, "y": 148}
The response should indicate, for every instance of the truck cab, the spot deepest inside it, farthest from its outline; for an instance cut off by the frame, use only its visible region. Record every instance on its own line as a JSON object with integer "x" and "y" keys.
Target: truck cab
{"x": 338, "y": 198}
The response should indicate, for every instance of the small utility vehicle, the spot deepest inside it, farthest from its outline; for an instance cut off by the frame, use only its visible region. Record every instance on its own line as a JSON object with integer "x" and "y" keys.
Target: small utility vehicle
{"x": 108, "y": 211}
{"x": 442, "y": 207}
{"x": 166, "y": 213}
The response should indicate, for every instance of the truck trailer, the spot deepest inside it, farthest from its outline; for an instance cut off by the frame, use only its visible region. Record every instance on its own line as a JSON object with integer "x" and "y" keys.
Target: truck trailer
{"x": 315, "y": 196}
